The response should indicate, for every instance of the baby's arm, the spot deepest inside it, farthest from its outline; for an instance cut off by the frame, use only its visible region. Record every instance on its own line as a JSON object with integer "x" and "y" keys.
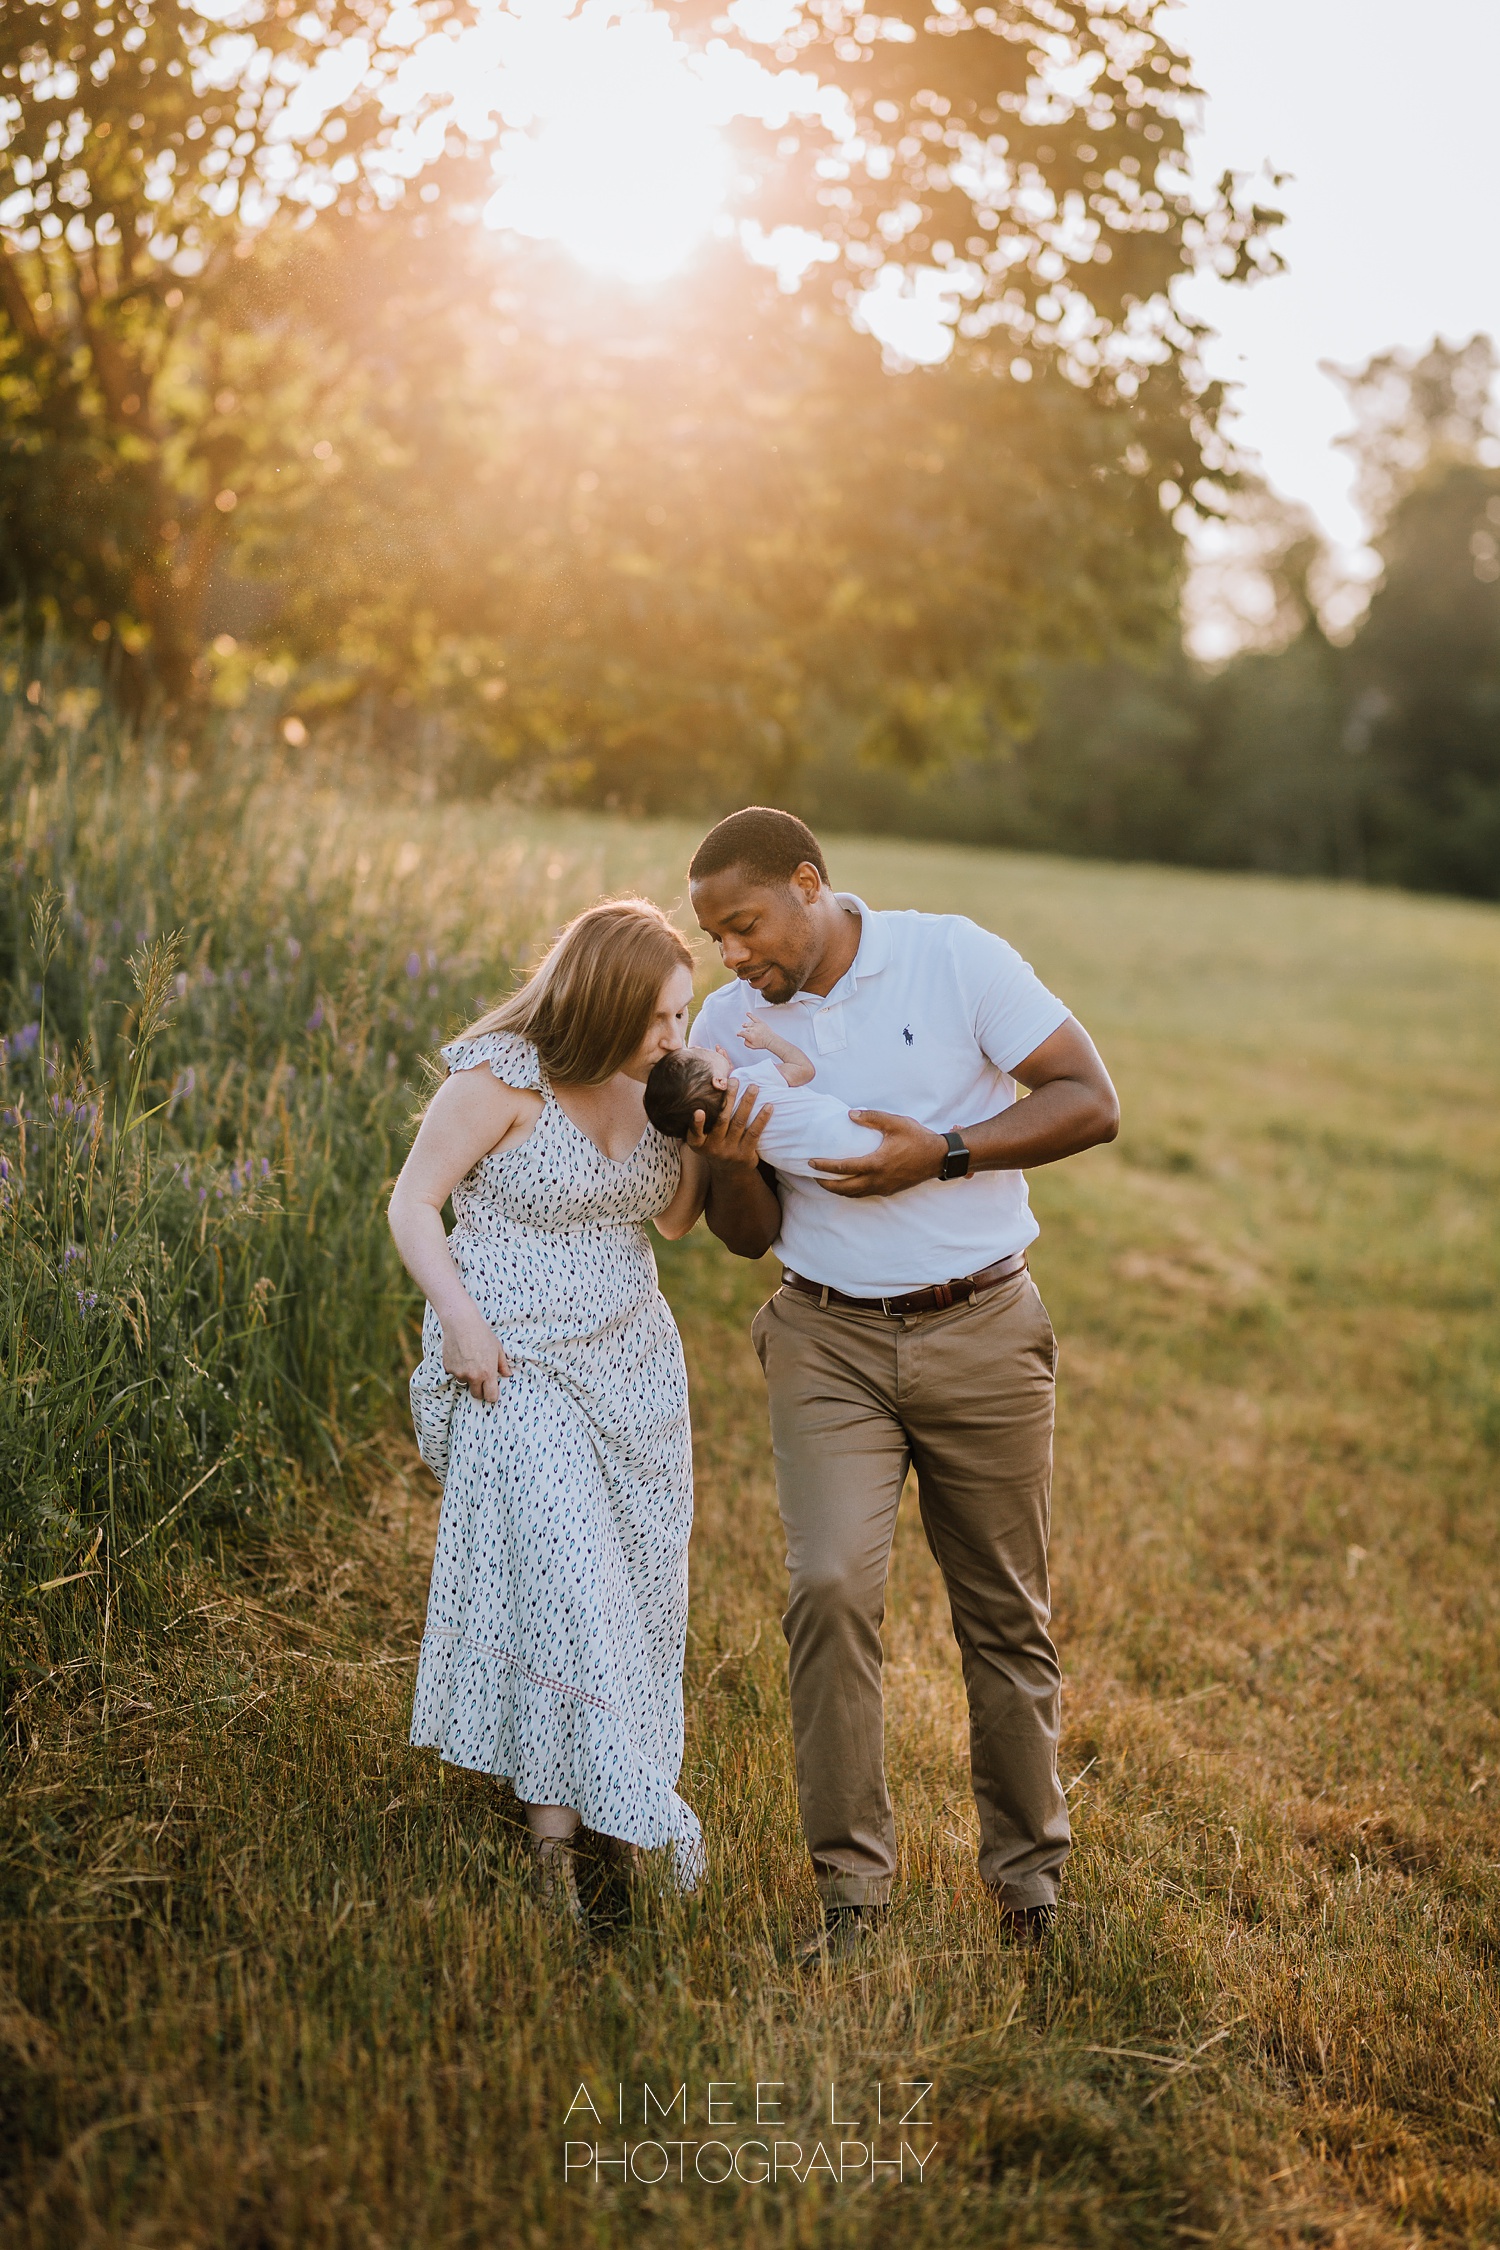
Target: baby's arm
{"x": 796, "y": 1068}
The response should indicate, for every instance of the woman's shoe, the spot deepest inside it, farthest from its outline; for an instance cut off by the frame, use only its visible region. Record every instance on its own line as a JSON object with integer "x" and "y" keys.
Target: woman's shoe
{"x": 615, "y": 1881}
{"x": 556, "y": 1879}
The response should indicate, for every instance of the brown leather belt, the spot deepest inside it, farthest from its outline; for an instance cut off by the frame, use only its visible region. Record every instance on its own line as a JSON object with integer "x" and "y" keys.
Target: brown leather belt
{"x": 936, "y": 1298}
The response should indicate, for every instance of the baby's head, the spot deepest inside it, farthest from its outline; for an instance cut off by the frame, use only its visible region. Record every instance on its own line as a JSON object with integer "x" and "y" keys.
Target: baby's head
{"x": 682, "y": 1083}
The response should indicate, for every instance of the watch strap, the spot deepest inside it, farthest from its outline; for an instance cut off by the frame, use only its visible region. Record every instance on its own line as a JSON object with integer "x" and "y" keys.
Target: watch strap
{"x": 956, "y": 1162}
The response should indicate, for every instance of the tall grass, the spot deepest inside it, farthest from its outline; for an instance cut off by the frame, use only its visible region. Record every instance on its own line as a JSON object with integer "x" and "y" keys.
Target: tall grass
{"x": 271, "y": 1981}
{"x": 208, "y": 1057}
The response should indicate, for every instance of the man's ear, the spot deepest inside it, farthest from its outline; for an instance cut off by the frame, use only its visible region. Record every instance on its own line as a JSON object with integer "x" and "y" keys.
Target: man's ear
{"x": 807, "y": 882}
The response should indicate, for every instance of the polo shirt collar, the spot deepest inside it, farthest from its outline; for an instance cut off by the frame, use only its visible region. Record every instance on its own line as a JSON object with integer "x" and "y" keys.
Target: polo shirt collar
{"x": 873, "y": 954}
{"x": 874, "y": 939}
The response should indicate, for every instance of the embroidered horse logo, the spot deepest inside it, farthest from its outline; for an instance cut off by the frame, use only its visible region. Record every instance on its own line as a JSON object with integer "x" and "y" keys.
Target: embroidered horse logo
{"x": 906, "y": 1034}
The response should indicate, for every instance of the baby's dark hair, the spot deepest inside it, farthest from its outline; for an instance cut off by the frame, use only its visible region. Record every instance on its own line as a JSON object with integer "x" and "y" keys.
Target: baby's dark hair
{"x": 679, "y": 1085}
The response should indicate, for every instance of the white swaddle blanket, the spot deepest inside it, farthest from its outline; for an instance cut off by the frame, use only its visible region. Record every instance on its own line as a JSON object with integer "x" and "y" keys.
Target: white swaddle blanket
{"x": 803, "y": 1123}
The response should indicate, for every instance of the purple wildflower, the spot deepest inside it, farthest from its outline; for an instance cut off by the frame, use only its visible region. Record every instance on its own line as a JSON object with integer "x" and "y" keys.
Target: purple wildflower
{"x": 72, "y": 1254}
{"x": 21, "y": 1042}
{"x": 293, "y": 950}
{"x": 414, "y": 965}
{"x": 315, "y": 1020}
{"x": 87, "y": 1299}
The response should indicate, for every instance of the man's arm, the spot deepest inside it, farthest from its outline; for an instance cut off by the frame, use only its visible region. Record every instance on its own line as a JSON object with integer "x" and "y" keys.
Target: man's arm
{"x": 1072, "y": 1106}
{"x": 742, "y": 1207}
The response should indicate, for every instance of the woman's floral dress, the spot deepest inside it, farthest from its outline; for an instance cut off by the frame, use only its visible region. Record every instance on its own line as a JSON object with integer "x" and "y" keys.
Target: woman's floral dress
{"x": 557, "y": 1616}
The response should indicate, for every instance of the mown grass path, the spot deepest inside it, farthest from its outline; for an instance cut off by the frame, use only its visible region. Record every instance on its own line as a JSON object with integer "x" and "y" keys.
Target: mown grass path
{"x": 272, "y": 1980}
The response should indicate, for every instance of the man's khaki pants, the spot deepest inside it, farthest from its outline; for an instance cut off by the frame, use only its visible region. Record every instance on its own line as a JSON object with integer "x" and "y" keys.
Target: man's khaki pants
{"x": 966, "y": 1397}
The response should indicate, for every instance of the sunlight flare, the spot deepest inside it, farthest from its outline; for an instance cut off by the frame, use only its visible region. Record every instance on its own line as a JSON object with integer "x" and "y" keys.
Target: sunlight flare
{"x": 610, "y": 147}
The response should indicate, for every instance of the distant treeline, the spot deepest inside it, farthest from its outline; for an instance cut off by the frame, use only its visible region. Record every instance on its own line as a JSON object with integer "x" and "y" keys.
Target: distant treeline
{"x": 1377, "y": 760}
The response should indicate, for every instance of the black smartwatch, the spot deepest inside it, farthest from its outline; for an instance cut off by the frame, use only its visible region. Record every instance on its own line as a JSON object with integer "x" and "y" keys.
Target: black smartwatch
{"x": 956, "y": 1162}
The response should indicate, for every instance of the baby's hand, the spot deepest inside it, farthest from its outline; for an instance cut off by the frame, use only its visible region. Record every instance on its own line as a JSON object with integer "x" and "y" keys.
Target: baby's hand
{"x": 754, "y": 1033}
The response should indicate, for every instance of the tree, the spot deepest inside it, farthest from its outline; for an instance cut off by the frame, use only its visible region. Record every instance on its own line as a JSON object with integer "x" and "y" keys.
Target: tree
{"x": 668, "y": 551}
{"x": 1424, "y": 669}
{"x": 152, "y": 162}
{"x": 1036, "y": 149}
{"x": 1414, "y": 415}
{"x": 236, "y": 338}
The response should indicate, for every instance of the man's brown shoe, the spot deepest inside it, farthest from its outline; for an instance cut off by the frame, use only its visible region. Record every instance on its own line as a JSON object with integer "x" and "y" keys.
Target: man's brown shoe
{"x": 1028, "y": 1925}
{"x": 843, "y": 1931}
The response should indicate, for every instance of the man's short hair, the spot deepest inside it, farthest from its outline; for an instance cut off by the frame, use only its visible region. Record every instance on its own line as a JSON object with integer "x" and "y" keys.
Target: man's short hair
{"x": 761, "y": 842}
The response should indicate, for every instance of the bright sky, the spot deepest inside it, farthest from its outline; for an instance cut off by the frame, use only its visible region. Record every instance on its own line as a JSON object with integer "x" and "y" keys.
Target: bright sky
{"x": 1386, "y": 115}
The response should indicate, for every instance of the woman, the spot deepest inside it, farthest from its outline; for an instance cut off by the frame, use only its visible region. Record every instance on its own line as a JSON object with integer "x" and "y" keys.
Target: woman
{"x": 552, "y": 1397}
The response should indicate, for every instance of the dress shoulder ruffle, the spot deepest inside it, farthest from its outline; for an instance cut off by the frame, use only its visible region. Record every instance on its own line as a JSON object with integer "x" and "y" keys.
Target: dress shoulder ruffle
{"x": 514, "y": 1060}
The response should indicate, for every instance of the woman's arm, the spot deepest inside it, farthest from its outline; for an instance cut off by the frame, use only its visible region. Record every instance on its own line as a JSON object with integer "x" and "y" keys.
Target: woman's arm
{"x": 683, "y": 1212}
{"x": 742, "y": 1209}
{"x": 470, "y": 1115}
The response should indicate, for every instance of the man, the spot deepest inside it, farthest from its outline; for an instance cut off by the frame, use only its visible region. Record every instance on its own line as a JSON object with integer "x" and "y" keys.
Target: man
{"x": 907, "y": 1331}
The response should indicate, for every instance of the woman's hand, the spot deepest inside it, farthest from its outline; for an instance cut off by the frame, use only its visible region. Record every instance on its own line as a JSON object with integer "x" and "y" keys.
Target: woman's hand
{"x": 470, "y": 1115}
{"x": 474, "y": 1355}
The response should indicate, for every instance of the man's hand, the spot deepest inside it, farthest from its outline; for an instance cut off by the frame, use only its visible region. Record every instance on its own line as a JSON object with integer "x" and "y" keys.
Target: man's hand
{"x": 908, "y": 1154}
{"x": 735, "y": 1139}
{"x": 1071, "y": 1106}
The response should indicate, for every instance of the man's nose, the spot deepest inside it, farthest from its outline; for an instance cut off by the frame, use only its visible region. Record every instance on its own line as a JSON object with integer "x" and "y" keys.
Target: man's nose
{"x": 733, "y": 950}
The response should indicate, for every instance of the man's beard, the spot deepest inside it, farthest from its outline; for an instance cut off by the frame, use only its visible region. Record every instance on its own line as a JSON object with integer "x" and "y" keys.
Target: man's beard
{"x": 786, "y": 988}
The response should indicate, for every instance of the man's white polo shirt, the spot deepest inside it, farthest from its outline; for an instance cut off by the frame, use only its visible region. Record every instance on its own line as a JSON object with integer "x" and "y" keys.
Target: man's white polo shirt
{"x": 929, "y": 1020}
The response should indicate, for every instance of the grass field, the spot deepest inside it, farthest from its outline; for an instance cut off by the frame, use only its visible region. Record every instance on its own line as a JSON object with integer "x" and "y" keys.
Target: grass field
{"x": 271, "y": 1980}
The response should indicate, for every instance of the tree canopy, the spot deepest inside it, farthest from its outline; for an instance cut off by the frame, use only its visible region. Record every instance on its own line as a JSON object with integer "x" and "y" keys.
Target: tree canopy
{"x": 267, "y": 382}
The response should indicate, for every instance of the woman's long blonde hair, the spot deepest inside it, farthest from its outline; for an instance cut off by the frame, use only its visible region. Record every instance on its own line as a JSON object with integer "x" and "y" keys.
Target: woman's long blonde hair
{"x": 589, "y": 1003}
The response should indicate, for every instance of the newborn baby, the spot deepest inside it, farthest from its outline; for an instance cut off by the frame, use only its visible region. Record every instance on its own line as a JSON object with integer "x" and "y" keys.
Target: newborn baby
{"x": 803, "y": 1123}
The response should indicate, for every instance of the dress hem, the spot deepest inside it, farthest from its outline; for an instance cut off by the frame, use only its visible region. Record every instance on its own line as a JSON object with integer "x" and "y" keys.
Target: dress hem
{"x": 587, "y": 1755}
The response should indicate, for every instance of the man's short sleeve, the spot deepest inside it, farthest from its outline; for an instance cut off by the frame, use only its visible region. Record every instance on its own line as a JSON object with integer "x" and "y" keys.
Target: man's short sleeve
{"x": 1010, "y": 1008}
{"x": 712, "y": 1026}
